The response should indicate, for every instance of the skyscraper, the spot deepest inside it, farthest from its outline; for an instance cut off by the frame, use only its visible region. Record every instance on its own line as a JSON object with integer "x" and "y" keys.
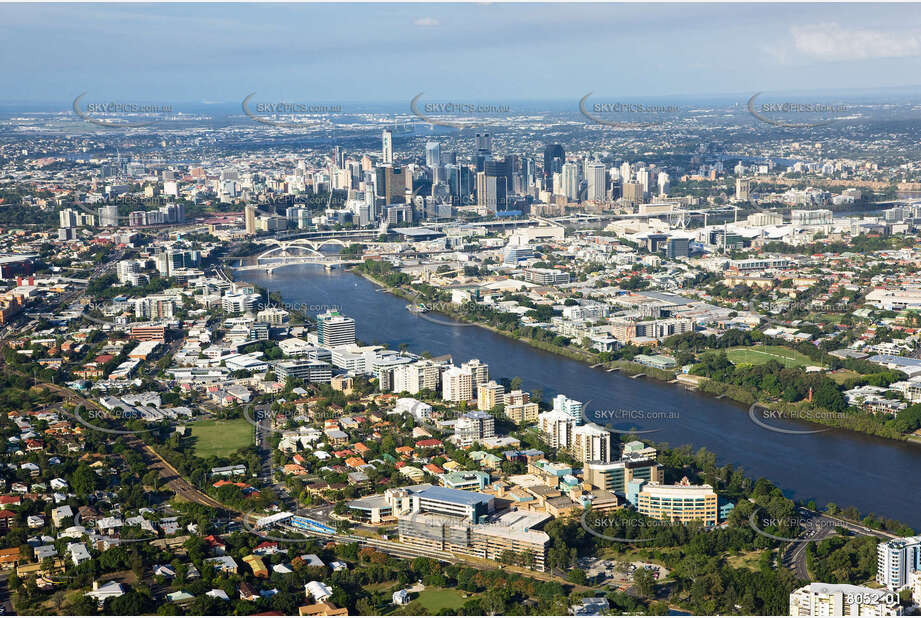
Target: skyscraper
{"x": 633, "y": 192}
{"x": 642, "y": 177}
{"x": 596, "y": 176}
{"x": 68, "y": 217}
{"x": 483, "y": 150}
{"x": 250, "y": 218}
{"x": 571, "y": 181}
{"x": 391, "y": 183}
{"x": 553, "y": 162}
{"x": 387, "y": 146}
{"x": 432, "y": 154}
{"x": 334, "y": 329}
{"x": 494, "y": 185}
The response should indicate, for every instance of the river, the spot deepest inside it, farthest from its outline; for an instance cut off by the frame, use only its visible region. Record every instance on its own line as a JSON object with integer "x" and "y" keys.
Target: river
{"x": 850, "y": 469}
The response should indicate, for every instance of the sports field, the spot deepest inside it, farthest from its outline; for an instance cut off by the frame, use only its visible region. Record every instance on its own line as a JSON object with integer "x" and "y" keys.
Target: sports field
{"x": 220, "y": 438}
{"x": 758, "y": 355}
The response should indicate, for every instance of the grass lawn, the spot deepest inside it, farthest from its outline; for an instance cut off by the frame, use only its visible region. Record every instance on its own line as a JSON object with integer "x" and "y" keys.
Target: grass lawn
{"x": 758, "y": 355}
{"x": 842, "y": 375}
{"x": 749, "y": 560}
{"x": 380, "y": 585}
{"x": 221, "y": 438}
{"x": 435, "y": 599}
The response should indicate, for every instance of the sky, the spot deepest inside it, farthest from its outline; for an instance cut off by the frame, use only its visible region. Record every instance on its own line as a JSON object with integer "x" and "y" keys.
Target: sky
{"x": 175, "y": 53}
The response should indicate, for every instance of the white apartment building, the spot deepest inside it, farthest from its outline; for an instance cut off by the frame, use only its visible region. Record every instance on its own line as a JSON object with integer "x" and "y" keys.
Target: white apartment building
{"x": 479, "y": 370}
{"x": 896, "y": 559}
{"x": 415, "y": 377}
{"x": 473, "y": 427}
{"x": 334, "y": 329}
{"x": 591, "y": 442}
{"x": 819, "y": 599}
{"x": 154, "y": 307}
{"x": 457, "y": 384}
{"x": 569, "y": 407}
{"x": 819, "y": 216}
{"x": 556, "y": 428}
{"x": 239, "y": 302}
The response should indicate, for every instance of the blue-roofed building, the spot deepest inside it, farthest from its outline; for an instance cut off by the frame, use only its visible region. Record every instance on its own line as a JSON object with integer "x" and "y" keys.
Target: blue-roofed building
{"x": 910, "y": 366}
{"x": 441, "y": 500}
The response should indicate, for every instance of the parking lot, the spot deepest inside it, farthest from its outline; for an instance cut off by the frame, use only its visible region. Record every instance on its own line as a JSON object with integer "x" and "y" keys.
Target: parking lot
{"x": 617, "y": 573}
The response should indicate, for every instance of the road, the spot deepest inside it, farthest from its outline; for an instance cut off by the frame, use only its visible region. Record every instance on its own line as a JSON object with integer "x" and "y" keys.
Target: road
{"x": 5, "y": 601}
{"x": 793, "y": 556}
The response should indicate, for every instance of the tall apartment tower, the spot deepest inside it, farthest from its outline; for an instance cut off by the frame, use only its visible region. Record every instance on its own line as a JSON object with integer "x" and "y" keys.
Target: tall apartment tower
{"x": 896, "y": 559}
{"x": 591, "y": 442}
{"x": 457, "y": 384}
{"x": 569, "y": 407}
{"x": 387, "y": 146}
{"x": 250, "y": 218}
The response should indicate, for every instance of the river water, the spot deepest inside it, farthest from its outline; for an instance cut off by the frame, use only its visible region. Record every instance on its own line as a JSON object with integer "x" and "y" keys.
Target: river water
{"x": 849, "y": 469}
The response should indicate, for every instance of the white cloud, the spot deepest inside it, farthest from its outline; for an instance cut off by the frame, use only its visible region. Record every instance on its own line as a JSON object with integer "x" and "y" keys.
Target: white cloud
{"x": 832, "y": 42}
{"x": 426, "y": 22}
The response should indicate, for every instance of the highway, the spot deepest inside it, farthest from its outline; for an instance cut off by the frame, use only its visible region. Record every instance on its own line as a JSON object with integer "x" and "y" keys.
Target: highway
{"x": 793, "y": 556}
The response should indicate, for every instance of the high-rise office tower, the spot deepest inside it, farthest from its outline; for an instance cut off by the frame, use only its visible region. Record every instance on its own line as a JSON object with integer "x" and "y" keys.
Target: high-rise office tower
{"x": 483, "y": 151}
{"x": 391, "y": 183}
{"x": 554, "y": 157}
{"x": 452, "y": 178}
{"x": 596, "y": 176}
{"x": 250, "y": 219}
{"x": 625, "y": 171}
{"x": 633, "y": 192}
{"x": 642, "y": 177}
{"x": 571, "y": 181}
{"x": 387, "y": 146}
{"x": 432, "y": 154}
{"x": 483, "y": 143}
{"x": 334, "y": 329}
{"x": 494, "y": 184}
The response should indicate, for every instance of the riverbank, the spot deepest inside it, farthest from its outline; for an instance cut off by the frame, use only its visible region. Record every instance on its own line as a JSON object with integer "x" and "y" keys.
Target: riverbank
{"x": 839, "y": 467}
{"x": 863, "y": 424}
{"x": 579, "y": 355}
